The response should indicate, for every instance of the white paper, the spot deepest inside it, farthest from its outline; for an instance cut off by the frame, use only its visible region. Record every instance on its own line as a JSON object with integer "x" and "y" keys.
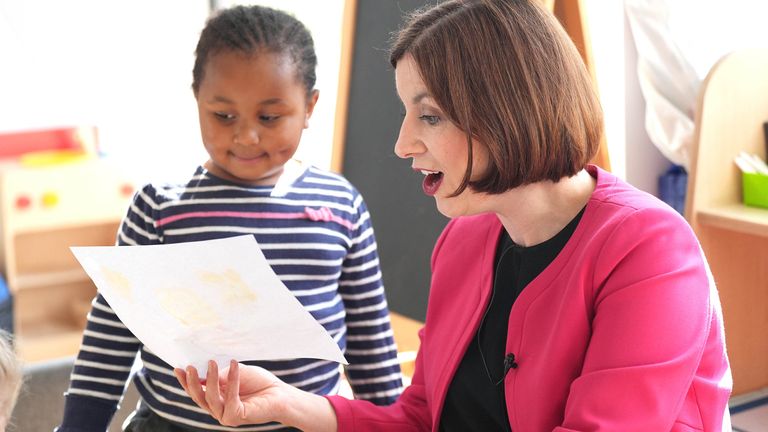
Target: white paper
{"x": 210, "y": 300}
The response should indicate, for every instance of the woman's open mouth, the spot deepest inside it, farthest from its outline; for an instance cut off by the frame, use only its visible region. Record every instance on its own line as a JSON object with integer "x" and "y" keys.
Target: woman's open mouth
{"x": 431, "y": 182}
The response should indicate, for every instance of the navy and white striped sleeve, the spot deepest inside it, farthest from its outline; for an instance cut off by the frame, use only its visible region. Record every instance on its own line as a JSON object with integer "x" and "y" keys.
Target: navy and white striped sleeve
{"x": 108, "y": 349}
{"x": 373, "y": 370}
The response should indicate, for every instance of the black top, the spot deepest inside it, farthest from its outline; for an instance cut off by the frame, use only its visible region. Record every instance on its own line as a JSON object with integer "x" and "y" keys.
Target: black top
{"x": 475, "y": 400}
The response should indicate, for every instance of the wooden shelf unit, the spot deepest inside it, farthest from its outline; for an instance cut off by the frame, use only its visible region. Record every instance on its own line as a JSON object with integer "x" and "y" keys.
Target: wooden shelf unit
{"x": 43, "y": 211}
{"x": 406, "y": 334}
{"x": 732, "y": 106}
{"x": 736, "y": 217}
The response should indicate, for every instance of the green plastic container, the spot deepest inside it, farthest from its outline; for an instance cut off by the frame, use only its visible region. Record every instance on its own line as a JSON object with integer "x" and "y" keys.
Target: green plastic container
{"x": 755, "y": 189}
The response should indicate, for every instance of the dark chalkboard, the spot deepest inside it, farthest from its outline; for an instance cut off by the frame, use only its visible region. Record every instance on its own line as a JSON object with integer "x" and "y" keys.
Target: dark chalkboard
{"x": 406, "y": 221}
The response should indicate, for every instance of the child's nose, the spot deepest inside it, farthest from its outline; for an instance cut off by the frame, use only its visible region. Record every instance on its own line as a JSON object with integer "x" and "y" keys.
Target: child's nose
{"x": 247, "y": 134}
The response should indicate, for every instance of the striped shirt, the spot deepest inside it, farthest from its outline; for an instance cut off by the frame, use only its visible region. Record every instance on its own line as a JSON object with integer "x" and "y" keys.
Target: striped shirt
{"x": 317, "y": 236}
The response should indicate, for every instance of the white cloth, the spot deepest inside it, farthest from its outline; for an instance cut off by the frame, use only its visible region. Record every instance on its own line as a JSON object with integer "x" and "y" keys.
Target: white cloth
{"x": 668, "y": 81}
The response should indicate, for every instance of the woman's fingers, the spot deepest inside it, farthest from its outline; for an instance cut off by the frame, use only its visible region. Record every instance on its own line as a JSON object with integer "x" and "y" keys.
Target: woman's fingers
{"x": 233, "y": 402}
{"x": 228, "y": 408}
{"x": 195, "y": 389}
{"x": 181, "y": 376}
{"x": 212, "y": 392}
{"x": 233, "y": 391}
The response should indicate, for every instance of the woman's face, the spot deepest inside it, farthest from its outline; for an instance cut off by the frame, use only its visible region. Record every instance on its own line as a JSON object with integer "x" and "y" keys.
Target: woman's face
{"x": 437, "y": 147}
{"x": 252, "y": 111}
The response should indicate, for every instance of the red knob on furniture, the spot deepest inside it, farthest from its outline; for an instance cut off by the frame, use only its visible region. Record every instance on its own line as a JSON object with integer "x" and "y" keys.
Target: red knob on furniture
{"x": 23, "y": 202}
{"x": 126, "y": 189}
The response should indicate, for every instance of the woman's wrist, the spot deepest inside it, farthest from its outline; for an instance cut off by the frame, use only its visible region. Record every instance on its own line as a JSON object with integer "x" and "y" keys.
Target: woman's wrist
{"x": 307, "y": 411}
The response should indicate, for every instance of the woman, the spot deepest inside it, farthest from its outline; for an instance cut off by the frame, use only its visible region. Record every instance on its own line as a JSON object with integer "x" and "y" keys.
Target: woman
{"x": 562, "y": 298}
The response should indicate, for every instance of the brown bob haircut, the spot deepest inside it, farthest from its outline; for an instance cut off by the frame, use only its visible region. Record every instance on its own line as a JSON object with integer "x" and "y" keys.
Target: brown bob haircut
{"x": 506, "y": 73}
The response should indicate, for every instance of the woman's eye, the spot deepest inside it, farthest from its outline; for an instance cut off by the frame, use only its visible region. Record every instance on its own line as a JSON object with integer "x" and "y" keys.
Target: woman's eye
{"x": 224, "y": 116}
{"x": 430, "y": 119}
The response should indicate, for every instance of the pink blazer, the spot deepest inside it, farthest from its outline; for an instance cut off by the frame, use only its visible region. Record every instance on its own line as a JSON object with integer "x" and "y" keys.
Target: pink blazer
{"x": 623, "y": 331}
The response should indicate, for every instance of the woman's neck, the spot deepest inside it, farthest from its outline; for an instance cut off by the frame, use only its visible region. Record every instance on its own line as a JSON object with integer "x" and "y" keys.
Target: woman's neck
{"x": 534, "y": 213}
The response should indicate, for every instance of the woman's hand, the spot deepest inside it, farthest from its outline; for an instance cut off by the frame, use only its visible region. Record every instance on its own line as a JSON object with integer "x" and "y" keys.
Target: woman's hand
{"x": 234, "y": 398}
{"x": 250, "y": 394}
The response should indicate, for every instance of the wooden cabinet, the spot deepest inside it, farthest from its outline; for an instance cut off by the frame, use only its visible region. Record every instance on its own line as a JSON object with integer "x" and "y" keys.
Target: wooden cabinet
{"x": 43, "y": 211}
{"x": 732, "y": 107}
{"x": 406, "y": 334}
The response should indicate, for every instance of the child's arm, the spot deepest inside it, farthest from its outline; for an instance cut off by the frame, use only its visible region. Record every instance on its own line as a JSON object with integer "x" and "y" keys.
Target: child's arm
{"x": 101, "y": 370}
{"x": 373, "y": 371}
{"x": 108, "y": 349}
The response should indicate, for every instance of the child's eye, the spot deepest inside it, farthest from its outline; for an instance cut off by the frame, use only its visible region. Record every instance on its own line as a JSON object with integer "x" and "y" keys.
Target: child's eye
{"x": 268, "y": 118}
{"x": 224, "y": 116}
{"x": 430, "y": 119}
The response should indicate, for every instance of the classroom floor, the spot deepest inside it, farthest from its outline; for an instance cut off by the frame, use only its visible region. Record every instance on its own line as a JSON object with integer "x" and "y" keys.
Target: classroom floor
{"x": 749, "y": 413}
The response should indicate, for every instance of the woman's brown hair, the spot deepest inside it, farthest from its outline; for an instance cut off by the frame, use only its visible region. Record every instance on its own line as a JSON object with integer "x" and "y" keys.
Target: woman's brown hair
{"x": 506, "y": 73}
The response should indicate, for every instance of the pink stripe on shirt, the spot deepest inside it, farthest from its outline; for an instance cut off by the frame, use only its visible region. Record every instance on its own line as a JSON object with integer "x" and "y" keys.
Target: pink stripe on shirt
{"x": 321, "y": 214}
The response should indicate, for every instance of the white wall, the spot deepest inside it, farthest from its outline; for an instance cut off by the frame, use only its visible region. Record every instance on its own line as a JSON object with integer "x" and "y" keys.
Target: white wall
{"x": 126, "y": 68}
{"x": 606, "y": 32}
{"x": 633, "y": 156}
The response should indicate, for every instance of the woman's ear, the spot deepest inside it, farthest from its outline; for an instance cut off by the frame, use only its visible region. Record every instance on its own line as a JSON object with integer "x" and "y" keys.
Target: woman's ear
{"x": 311, "y": 102}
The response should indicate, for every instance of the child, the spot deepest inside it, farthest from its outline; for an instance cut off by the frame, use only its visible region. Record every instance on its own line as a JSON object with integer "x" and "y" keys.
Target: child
{"x": 10, "y": 379}
{"x": 253, "y": 79}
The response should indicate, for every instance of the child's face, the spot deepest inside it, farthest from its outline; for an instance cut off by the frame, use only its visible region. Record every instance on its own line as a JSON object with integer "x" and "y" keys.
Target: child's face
{"x": 252, "y": 111}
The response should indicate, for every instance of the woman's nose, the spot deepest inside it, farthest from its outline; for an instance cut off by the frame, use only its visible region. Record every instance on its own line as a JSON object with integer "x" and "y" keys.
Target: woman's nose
{"x": 407, "y": 145}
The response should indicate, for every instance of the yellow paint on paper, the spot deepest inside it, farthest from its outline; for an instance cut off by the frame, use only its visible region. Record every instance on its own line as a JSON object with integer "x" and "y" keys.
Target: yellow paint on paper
{"x": 187, "y": 307}
{"x": 230, "y": 286}
{"x": 119, "y": 282}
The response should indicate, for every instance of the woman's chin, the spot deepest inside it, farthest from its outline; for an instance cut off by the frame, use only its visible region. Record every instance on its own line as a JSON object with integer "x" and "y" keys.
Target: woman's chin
{"x": 449, "y": 209}
{"x": 466, "y": 204}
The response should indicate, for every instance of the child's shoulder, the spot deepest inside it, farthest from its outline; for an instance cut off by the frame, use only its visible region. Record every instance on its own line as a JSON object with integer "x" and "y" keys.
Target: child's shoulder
{"x": 173, "y": 189}
{"x": 324, "y": 179}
